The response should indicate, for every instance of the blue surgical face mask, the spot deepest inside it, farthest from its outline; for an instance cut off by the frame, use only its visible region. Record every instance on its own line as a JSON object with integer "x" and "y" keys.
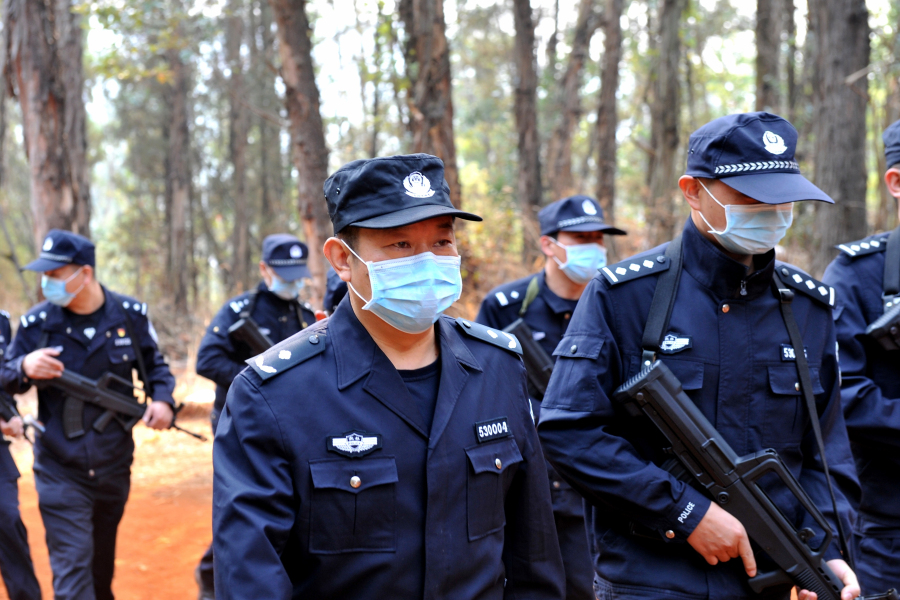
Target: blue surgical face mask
{"x": 751, "y": 228}
{"x": 286, "y": 290}
{"x": 582, "y": 261}
{"x": 410, "y": 293}
{"x": 54, "y": 289}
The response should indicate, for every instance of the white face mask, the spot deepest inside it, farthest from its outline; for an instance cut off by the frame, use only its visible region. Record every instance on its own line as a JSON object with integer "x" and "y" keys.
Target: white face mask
{"x": 751, "y": 228}
{"x": 582, "y": 260}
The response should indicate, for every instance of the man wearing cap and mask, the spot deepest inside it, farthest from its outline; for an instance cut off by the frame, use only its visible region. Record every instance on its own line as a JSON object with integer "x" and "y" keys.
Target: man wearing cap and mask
{"x": 387, "y": 451}
{"x": 275, "y": 308}
{"x": 83, "y": 479}
{"x": 16, "y": 567}
{"x": 866, "y": 277}
{"x": 572, "y": 233}
{"x": 728, "y": 343}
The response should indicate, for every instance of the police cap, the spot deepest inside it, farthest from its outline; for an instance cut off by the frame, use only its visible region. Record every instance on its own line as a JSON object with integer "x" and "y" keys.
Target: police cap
{"x": 61, "y": 248}
{"x": 891, "y": 139}
{"x": 286, "y": 255}
{"x": 575, "y": 213}
{"x": 379, "y": 193}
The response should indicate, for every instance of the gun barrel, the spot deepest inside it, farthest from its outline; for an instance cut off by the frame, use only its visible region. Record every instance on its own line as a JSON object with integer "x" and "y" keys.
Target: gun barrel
{"x": 246, "y": 331}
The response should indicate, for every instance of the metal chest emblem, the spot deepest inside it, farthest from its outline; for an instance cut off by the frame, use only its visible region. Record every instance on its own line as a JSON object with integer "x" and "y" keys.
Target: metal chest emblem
{"x": 673, "y": 343}
{"x": 354, "y": 443}
{"x": 89, "y": 333}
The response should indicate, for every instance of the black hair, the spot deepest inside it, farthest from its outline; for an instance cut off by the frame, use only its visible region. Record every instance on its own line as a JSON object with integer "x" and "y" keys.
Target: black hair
{"x": 349, "y": 235}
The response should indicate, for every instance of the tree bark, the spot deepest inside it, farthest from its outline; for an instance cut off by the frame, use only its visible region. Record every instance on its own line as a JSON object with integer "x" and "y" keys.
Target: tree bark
{"x": 529, "y": 178}
{"x": 842, "y": 39}
{"x": 790, "y": 28}
{"x": 664, "y": 116}
{"x": 768, "y": 44}
{"x": 429, "y": 98}
{"x": 178, "y": 182}
{"x": 44, "y": 50}
{"x": 559, "y": 150}
{"x": 310, "y": 154}
{"x": 238, "y": 127}
{"x": 607, "y": 116}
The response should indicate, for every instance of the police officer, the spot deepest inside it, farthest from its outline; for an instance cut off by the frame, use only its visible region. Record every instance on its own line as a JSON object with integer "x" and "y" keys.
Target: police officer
{"x": 274, "y": 307}
{"x": 387, "y": 451}
{"x": 15, "y": 557}
{"x": 870, "y": 386}
{"x": 83, "y": 481}
{"x": 572, "y": 233}
{"x": 729, "y": 345}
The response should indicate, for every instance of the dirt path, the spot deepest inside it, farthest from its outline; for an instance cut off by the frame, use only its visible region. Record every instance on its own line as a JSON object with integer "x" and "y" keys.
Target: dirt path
{"x": 167, "y": 522}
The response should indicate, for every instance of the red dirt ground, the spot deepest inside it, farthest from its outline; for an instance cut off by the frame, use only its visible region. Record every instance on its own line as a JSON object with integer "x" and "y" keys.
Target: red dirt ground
{"x": 167, "y": 523}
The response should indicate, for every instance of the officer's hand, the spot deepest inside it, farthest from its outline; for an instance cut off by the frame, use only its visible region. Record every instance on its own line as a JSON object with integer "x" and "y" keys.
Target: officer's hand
{"x": 719, "y": 537}
{"x": 159, "y": 415}
{"x": 13, "y": 428}
{"x": 843, "y": 572}
{"x": 40, "y": 364}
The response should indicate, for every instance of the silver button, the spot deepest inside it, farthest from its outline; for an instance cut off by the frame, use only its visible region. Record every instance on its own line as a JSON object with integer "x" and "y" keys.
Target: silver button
{"x": 670, "y": 534}
{"x": 355, "y": 482}
{"x": 467, "y": 324}
{"x": 797, "y": 386}
{"x": 108, "y": 334}
{"x": 785, "y": 272}
{"x": 68, "y": 330}
{"x": 725, "y": 308}
{"x": 573, "y": 349}
{"x": 91, "y": 473}
{"x": 124, "y": 357}
{"x": 313, "y": 339}
{"x": 556, "y": 485}
{"x": 498, "y": 464}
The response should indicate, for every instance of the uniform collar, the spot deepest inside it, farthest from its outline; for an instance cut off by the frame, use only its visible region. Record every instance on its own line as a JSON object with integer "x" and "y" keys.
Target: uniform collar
{"x": 722, "y": 275}
{"x": 56, "y": 315}
{"x": 555, "y": 303}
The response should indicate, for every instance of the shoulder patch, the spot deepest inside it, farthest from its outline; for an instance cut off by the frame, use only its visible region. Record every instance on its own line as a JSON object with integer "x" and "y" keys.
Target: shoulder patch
{"x": 635, "y": 268}
{"x": 289, "y": 353}
{"x": 5, "y": 314}
{"x": 492, "y": 336}
{"x": 802, "y": 282}
{"x": 870, "y": 245}
{"x": 33, "y": 316}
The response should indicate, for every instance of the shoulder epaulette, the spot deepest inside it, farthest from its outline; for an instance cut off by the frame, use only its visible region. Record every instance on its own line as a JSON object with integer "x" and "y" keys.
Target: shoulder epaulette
{"x": 509, "y": 297}
{"x": 290, "y": 353}
{"x": 492, "y": 336}
{"x": 238, "y": 303}
{"x": 635, "y": 268}
{"x": 5, "y": 314}
{"x": 33, "y": 316}
{"x": 870, "y": 245}
{"x": 802, "y": 282}
{"x": 133, "y": 306}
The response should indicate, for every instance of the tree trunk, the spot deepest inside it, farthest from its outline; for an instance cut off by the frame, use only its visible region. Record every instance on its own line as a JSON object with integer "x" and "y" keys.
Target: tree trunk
{"x": 790, "y": 28}
{"x": 427, "y": 55}
{"x": 178, "y": 182}
{"x": 768, "y": 44}
{"x": 842, "y": 38}
{"x": 664, "y": 110}
{"x": 559, "y": 150}
{"x": 529, "y": 179}
{"x": 310, "y": 154}
{"x": 44, "y": 70}
{"x": 238, "y": 126}
{"x": 272, "y": 164}
{"x": 607, "y": 117}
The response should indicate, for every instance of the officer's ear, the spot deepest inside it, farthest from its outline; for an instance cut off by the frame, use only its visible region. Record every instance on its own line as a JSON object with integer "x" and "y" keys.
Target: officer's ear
{"x": 892, "y": 180}
{"x": 89, "y": 274}
{"x": 337, "y": 254}
{"x": 547, "y": 246}
{"x": 690, "y": 189}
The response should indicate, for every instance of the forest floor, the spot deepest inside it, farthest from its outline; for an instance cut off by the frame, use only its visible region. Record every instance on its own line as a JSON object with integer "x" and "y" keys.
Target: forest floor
{"x": 168, "y": 519}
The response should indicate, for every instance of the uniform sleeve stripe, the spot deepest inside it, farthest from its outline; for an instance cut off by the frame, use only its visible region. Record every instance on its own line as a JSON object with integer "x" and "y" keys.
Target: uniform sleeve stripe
{"x": 610, "y": 274}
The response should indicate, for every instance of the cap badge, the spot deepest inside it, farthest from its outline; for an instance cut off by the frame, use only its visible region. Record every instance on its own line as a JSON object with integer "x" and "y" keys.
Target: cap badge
{"x": 588, "y": 207}
{"x": 418, "y": 186}
{"x": 774, "y": 143}
{"x": 48, "y": 244}
{"x": 296, "y": 251}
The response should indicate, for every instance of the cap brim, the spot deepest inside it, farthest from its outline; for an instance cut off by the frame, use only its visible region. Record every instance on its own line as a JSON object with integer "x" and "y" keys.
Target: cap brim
{"x": 292, "y": 272}
{"x": 606, "y": 229}
{"x": 414, "y": 214}
{"x": 777, "y": 188}
{"x": 42, "y": 265}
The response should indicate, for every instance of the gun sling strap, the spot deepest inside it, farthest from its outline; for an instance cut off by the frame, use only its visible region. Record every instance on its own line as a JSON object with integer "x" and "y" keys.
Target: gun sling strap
{"x": 295, "y": 306}
{"x": 891, "y": 283}
{"x": 658, "y": 322}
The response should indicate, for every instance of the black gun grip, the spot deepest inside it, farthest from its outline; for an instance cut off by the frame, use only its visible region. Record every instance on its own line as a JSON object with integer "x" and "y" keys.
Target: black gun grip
{"x": 763, "y": 581}
{"x": 73, "y": 418}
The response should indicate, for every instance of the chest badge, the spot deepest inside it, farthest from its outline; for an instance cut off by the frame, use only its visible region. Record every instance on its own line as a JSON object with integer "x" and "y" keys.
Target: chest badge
{"x": 673, "y": 343}
{"x": 354, "y": 443}
{"x": 492, "y": 429}
{"x": 788, "y": 354}
{"x": 89, "y": 333}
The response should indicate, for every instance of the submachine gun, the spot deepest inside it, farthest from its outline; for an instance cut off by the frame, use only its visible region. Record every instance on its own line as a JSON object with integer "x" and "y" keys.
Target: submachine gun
{"x": 125, "y": 409}
{"x": 246, "y": 331}
{"x": 733, "y": 483}
{"x": 886, "y": 329}
{"x": 538, "y": 364}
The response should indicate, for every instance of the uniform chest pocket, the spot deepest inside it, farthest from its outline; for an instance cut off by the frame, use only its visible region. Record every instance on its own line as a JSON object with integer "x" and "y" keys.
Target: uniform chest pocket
{"x": 786, "y": 417}
{"x": 491, "y": 469}
{"x": 119, "y": 348}
{"x": 353, "y": 506}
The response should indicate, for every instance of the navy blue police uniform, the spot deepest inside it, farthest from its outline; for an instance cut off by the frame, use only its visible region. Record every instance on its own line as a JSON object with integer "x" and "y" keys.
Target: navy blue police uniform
{"x": 220, "y": 358}
{"x": 728, "y": 345}
{"x": 870, "y": 391}
{"x": 83, "y": 482}
{"x": 336, "y": 475}
{"x": 548, "y": 315}
{"x": 15, "y": 557}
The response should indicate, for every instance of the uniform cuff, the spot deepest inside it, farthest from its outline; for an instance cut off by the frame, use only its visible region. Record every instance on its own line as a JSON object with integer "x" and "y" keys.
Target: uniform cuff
{"x": 686, "y": 514}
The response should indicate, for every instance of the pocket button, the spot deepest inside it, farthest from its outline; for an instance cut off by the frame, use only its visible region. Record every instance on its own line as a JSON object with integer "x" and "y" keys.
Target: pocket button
{"x": 355, "y": 482}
